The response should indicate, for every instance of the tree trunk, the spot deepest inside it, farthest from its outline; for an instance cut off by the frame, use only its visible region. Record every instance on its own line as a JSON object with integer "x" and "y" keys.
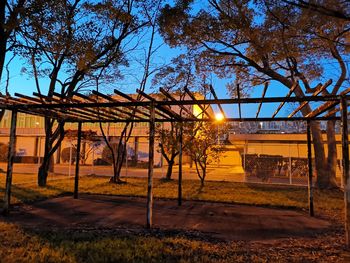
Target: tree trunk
{"x": 118, "y": 163}
{"x": 332, "y": 154}
{"x": 43, "y": 172}
{"x": 323, "y": 174}
{"x": 50, "y": 147}
{"x": 45, "y": 165}
{"x": 320, "y": 156}
{"x": 204, "y": 170}
{"x": 169, "y": 170}
{"x": 2, "y": 113}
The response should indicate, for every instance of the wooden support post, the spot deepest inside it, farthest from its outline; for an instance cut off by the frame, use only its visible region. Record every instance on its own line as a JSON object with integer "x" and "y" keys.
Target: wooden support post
{"x": 10, "y": 158}
{"x": 345, "y": 149}
{"x": 77, "y": 163}
{"x": 150, "y": 165}
{"x": 309, "y": 159}
{"x": 179, "y": 199}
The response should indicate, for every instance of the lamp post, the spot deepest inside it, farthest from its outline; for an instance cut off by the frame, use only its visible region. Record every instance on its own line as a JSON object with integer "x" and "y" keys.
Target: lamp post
{"x": 39, "y": 143}
{"x": 219, "y": 118}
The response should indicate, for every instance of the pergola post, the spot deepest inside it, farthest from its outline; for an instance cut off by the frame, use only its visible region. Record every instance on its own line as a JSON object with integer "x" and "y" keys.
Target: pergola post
{"x": 309, "y": 159}
{"x": 10, "y": 159}
{"x": 150, "y": 165}
{"x": 346, "y": 181}
{"x": 179, "y": 198}
{"x": 77, "y": 163}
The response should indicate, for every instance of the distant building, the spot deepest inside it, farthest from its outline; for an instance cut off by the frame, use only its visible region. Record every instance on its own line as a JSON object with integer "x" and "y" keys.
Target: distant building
{"x": 31, "y": 136}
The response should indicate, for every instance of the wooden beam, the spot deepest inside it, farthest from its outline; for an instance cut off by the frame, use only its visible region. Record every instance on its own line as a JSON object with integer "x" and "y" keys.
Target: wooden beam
{"x": 169, "y": 96}
{"x": 77, "y": 163}
{"x": 346, "y": 180}
{"x": 189, "y": 93}
{"x": 216, "y": 98}
{"x": 327, "y": 106}
{"x": 262, "y": 96}
{"x": 10, "y": 159}
{"x": 129, "y": 98}
{"x": 90, "y": 111}
{"x": 150, "y": 166}
{"x": 162, "y": 108}
{"x": 179, "y": 198}
{"x": 78, "y": 113}
{"x": 303, "y": 104}
{"x": 309, "y": 159}
{"x": 52, "y": 113}
{"x": 239, "y": 103}
{"x": 130, "y": 113}
{"x": 283, "y": 102}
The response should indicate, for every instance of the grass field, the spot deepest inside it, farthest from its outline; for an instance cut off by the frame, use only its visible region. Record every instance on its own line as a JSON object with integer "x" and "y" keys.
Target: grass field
{"x": 120, "y": 245}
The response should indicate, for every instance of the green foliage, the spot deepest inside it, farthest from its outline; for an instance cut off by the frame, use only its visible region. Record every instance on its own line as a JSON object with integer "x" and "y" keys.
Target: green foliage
{"x": 203, "y": 146}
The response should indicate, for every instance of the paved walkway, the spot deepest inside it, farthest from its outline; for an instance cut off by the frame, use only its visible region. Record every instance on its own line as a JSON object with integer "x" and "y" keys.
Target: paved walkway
{"x": 224, "y": 221}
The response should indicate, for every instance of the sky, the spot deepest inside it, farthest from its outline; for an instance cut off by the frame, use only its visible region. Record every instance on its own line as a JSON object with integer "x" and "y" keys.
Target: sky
{"x": 22, "y": 82}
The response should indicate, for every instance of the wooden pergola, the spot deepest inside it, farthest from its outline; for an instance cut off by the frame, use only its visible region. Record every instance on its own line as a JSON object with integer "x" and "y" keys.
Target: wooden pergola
{"x": 121, "y": 107}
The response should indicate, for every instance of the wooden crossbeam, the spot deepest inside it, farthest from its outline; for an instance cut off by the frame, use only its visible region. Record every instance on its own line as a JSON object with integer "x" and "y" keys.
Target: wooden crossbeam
{"x": 80, "y": 113}
{"x": 239, "y": 103}
{"x": 169, "y": 96}
{"x": 189, "y": 93}
{"x": 125, "y": 96}
{"x": 262, "y": 96}
{"x": 326, "y": 106}
{"x": 302, "y": 105}
{"x": 290, "y": 92}
{"x": 169, "y": 112}
{"x": 53, "y": 113}
{"x": 128, "y": 113}
{"x": 216, "y": 98}
{"x": 93, "y": 112}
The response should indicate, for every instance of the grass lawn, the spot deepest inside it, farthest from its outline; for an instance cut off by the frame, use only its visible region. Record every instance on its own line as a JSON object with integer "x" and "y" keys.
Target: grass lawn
{"x": 121, "y": 245}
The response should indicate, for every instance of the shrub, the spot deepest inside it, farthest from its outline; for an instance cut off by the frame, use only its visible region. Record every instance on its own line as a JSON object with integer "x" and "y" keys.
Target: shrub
{"x": 65, "y": 154}
{"x": 3, "y": 152}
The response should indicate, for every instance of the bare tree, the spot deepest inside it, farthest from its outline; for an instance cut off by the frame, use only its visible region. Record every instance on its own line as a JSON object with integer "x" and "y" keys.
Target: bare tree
{"x": 71, "y": 42}
{"x": 118, "y": 153}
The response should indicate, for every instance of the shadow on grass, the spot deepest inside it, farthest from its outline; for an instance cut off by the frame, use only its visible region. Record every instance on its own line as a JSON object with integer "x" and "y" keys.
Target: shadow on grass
{"x": 29, "y": 195}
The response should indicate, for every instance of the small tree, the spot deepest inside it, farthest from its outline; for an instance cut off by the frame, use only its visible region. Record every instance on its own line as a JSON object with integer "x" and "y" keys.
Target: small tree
{"x": 169, "y": 145}
{"x": 204, "y": 149}
{"x": 89, "y": 140}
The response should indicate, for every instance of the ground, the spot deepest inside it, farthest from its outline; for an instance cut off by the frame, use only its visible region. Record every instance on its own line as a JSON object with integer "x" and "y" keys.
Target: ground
{"x": 236, "y": 223}
{"x": 222, "y": 221}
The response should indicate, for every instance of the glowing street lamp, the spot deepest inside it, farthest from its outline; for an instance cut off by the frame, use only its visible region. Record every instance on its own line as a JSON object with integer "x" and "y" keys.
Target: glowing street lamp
{"x": 219, "y": 116}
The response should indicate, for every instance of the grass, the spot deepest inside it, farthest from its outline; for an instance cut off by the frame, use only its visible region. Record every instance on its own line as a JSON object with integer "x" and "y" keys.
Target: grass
{"x": 113, "y": 245}
{"x": 18, "y": 245}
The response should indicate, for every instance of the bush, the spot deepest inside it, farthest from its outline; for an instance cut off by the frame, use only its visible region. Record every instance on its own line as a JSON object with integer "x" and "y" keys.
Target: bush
{"x": 267, "y": 165}
{"x": 65, "y": 154}
{"x": 3, "y": 152}
{"x": 106, "y": 153}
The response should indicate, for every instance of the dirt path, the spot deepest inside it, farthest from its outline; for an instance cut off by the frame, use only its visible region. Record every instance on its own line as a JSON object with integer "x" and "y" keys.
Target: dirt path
{"x": 224, "y": 221}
